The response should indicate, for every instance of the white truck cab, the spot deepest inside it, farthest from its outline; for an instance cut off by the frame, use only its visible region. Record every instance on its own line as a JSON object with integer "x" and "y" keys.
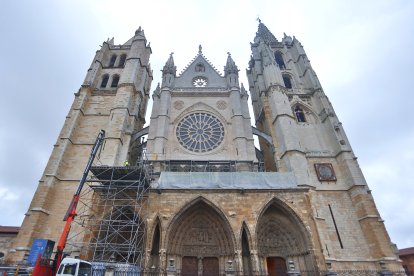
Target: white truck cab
{"x": 74, "y": 267}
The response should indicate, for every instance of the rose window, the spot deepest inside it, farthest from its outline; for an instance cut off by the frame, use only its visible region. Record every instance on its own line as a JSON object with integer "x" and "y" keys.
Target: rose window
{"x": 200, "y": 132}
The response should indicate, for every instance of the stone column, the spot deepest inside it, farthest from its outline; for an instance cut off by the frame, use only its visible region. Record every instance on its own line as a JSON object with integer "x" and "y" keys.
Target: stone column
{"x": 200, "y": 266}
{"x": 163, "y": 259}
{"x": 255, "y": 261}
{"x": 239, "y": 266}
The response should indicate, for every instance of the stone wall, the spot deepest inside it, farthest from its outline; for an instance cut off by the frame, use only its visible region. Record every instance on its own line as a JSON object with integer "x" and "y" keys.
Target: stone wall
{"x": 6, "y": 239}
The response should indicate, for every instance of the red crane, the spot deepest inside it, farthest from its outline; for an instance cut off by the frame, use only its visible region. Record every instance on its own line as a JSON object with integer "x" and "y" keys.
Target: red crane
{"x": 71, "y": 212}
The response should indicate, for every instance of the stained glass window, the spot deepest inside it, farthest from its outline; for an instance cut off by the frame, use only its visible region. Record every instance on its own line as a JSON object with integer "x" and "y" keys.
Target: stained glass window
{"x": 200, "y": 132}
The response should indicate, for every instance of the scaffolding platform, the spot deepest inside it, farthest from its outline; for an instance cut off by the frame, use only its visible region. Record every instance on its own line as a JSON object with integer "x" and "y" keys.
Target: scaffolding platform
{"x": 110, "y": 225}
{"x": 120, "y": 176}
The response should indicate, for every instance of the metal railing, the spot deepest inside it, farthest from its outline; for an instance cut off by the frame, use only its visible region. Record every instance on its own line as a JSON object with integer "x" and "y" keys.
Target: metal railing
{"x": 207, "y": 166}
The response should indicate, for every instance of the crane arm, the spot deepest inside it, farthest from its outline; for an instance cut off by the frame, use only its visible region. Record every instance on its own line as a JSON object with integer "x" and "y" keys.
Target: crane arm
{"x": 71, "y": 212}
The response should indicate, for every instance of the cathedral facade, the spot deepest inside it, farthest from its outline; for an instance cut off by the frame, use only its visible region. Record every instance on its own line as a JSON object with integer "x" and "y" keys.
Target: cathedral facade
{"x": 215, "y": 203}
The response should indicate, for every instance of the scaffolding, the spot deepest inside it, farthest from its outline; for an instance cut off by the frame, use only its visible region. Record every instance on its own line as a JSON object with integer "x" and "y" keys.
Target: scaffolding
{"x": 208, "y": 165}
{"x": 112, "y": 210}
{"x": 110, "y": 222}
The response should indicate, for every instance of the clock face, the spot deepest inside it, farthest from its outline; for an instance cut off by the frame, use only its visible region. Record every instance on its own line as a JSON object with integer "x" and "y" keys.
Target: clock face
{"x": 200, "y": 82}
{"x": 200, "y": 132}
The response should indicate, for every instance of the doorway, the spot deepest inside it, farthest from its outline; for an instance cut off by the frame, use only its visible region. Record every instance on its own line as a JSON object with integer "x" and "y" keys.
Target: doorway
{"x": 189, "y": 266}
{"x": 209, "y": 266}
{"x": 276, "y": 266}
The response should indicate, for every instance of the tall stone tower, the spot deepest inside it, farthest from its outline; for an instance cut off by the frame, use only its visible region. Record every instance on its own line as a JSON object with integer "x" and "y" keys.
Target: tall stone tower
{"x": 215, "y": 204}
{"x": 114, "y": 97}
{"x": 305, "y": 137}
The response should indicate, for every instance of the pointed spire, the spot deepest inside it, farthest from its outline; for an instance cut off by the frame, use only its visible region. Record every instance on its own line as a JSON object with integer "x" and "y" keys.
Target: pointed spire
{"x": 286, "y": 39}
{"x": 200, "y": 49}
{"x": 230, "y": 67}
{"x": 169, "y": 67}
{"x": 157, "y": 91}
{"x": 140, "y": 32}
{"x": 264, "y": 33}
{"x": 110, "y": 41}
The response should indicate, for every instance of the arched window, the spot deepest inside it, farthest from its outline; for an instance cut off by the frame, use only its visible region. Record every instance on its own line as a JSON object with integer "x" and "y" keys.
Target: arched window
{"x": 122, "y": 60}
{"x": 247, "y": 262}
{"x": 155, "y": 250}
{"x": 115, "y": 80}
{"x": 112, "y": 61}
{"x": 105, "y": 79}
{"x": 279, "y": 60}
{"x": 200, "y": 68}
{"x": 300, "y": 115}
{"x": 287, "y": 80}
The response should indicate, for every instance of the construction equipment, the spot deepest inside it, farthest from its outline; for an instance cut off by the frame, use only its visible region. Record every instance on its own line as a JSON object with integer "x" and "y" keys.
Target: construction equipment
{"x": 75, "y": 267}
{"x": 70, "y": 214}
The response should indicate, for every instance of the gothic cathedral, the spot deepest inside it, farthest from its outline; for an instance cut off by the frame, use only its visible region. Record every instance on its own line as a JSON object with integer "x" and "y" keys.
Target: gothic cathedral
{"x": 190, "y": 193}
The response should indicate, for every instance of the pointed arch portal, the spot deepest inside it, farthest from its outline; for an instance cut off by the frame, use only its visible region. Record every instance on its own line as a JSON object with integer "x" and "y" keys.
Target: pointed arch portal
{"x": 282, "y": 237}
{"x": 200, "y": 240}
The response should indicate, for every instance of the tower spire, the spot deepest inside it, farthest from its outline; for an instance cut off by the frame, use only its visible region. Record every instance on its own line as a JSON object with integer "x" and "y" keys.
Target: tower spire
{"x": 231, "y": 67}
{"x": 231, "y": 72}
{"x": 140, "y": 33}
{"x": 264, "y": 33}
{"x": 169, "y": 67}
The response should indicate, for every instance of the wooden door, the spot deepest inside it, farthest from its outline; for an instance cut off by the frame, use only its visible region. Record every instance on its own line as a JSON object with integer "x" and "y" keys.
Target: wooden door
{"x": 210, "y": 266}
{"x": 189, "y": 266}
{"x": 276, "y": 266}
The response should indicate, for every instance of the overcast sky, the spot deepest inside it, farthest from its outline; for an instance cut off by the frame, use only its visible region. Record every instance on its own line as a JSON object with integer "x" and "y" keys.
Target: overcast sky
{"x": 361, "y": 51}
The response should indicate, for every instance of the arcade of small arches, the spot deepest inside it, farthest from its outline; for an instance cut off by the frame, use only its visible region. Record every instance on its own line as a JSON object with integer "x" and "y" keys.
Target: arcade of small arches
{"x": 112, "y": 63}
{"x": 200, "y": 240}
{"x": 287, "y": 78}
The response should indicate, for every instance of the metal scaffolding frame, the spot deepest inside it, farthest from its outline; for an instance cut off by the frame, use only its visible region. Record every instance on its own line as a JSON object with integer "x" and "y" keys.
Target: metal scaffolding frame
{"x": 158, "y": 165}
{"x": 110, "y": 223}
{"x": 112, "y": 209}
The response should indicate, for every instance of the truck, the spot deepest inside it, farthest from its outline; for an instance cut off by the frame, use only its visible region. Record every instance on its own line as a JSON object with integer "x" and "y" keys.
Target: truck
{"x": 74, "y": 267}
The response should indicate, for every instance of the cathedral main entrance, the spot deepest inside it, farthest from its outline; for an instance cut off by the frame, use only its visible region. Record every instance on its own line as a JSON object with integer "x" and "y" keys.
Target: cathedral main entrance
{"x": 200, "y": 241}
{"x": 208, "y": 266}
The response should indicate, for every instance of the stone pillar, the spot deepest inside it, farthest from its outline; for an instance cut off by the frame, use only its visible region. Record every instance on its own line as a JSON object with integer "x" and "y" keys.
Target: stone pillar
{"x": 239, "y": 260}
{"x": 147, "y": 259}
{"x": 255, "y": 261}
{"x": 163, "y": 259}
{"x": 200, "y": 266}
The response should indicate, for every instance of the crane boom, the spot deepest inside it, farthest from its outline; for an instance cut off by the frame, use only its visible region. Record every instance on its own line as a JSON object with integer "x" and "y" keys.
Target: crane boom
{"x": 71, "y": 212}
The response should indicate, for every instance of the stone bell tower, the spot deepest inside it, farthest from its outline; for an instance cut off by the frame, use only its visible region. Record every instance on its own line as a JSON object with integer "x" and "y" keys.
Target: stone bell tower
{"x": 114, "y": 97}
{"x": 308, "y": 139}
